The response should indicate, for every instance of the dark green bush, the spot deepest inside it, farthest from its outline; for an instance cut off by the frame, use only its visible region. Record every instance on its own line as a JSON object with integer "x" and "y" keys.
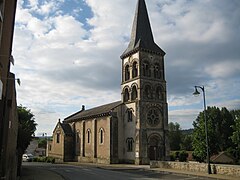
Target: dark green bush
{"x": 177, "y": 155}
{"x": 172, "y": 156}
{"x": 50, "y": 160}
{"x": 44, "y": 159}
{"x": 183, "y": 155}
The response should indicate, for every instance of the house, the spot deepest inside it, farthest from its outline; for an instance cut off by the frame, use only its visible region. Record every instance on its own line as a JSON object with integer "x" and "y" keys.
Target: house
{"x": 8, "y": 104}
{"x": 222, "y": 158}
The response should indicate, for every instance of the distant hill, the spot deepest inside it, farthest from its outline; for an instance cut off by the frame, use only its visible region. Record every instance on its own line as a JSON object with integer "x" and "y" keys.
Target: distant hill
{"x": 187, "y": 131}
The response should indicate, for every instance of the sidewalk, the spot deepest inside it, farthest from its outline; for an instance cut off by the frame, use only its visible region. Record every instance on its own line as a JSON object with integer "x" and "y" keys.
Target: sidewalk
{"x": 34, "y": 173}
{"x": 198, "y": 174}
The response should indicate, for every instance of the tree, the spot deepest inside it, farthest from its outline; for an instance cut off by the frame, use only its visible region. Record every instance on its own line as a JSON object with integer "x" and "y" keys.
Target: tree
{"x": 183, "y": 155}
{"x": 219, "y": 129}
{"x": 226, "y": 129}
{"x": 186, "y": 143}
{"x": 42, "y": 143}
{"x": 27, "y": 127}
{"x": 235, "y": 138}
{"x": 198, "y": 143}
{"x": 175, "y": 136}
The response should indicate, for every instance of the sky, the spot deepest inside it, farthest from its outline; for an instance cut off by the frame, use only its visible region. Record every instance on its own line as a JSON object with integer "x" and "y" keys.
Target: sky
{"x": 67, "y": 54}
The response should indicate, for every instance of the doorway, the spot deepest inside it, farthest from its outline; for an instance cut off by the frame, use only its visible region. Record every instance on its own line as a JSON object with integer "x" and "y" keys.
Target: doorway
{"x": 155, "y": 147}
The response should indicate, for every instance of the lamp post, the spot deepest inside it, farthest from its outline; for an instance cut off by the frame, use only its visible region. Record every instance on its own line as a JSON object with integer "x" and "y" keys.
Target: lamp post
{"x": 196, "y": 93}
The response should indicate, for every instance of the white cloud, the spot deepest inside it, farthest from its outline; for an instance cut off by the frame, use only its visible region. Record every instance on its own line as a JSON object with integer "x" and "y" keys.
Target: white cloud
{"x": 184, "y": 117}
{"x": 37, "y": 27}
{"x": 47, "y": 7}
{"x": 66, "y": 31}
{"x": 42, "y": 7}
{"x": 63, "y": 65}
{"x": 231, "y": 105}
{"x": 223, "y": 69}
{"x": 174, "y": 100}
{"x": 33, "y": 3}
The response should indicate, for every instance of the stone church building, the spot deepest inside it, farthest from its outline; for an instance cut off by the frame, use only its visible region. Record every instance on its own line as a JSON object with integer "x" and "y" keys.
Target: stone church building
{"x": 133, "y": 130}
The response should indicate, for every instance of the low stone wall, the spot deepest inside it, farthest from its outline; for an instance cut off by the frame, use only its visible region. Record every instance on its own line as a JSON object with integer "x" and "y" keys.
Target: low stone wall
{"x": 230, "y": 170}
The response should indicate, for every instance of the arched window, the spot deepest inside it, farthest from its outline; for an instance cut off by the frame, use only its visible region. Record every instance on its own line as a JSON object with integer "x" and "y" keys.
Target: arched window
{"x": 129, "y": 115}
{"x": 134, "y": 70}
{"x": 58, "y": 137}
{"x": 157, "y": 72}
{"x": 88, "y": 135}
{"x": 78, "y": 143}
{"x": 127, "y": 73}
{"x": 129, "y": 142}
{"x": 146, "y": 69}
{"x": 126, "y": 95}
{"x": 134, "y": 93}
{"x": 83, "y": 138}
{"x": 77, "y": 137}
{"x": 101, "y": 136}
{"x": 147, "y": 92}
{"x": 159, "y": 93}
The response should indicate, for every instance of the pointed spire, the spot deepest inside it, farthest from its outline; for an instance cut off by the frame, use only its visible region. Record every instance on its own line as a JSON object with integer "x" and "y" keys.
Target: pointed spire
{"x": 141, "y": 37}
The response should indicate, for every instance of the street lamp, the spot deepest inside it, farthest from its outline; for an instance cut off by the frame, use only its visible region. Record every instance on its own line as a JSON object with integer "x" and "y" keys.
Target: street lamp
{"x": 196, "y": 93}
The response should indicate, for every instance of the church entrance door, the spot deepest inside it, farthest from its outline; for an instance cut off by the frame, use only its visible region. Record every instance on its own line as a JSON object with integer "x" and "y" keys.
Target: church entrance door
{"x": 155, "y": 148}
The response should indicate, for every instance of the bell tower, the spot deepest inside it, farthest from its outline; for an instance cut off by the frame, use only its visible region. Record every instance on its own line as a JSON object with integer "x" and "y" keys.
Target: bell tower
{"x": 144, "y": 93}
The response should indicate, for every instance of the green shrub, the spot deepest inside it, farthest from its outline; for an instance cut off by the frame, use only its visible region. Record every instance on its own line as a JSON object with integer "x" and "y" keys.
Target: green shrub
{"x": 50, "y": 160}
{"x": 172, "y": 156}
{"x": 177, "y": 155}
{"x": 183, "y": 155}
{"x": 44, "y": 159}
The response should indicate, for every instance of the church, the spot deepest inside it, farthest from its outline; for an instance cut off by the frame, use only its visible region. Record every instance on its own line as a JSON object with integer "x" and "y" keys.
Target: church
{"x": 132, "y": 130}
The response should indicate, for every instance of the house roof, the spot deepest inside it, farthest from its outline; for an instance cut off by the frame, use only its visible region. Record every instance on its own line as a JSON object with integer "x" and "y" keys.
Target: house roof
{"x": 216, "y": 156}
{"x": 141, "y": 37}
{"x": 103, "y": 110}
{"x": 66, "y": 128}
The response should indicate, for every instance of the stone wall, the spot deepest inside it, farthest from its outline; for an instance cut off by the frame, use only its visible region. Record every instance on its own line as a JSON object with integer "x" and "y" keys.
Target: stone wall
{"x": 231, "y": 170}
{"x": 11, "y": 113}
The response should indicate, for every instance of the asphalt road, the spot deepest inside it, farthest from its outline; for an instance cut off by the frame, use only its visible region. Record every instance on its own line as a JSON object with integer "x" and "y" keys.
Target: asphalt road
{"x": 83, "y": 172}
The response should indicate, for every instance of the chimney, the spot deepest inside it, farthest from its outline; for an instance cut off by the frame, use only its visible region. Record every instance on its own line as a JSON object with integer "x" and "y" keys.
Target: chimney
{"x": 83, "y": 107}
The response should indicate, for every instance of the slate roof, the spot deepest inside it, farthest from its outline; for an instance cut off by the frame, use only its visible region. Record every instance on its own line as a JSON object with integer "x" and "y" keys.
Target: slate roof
{"x": 215, "y": 157}
{"x": 141, "y": 37}
{"x": 66, "y": 128}
{"x": 103, "y": 110}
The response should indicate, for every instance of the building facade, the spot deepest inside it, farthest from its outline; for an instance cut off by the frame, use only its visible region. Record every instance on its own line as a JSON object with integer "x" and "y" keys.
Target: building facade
{"x": 8, "y": 104}
{"x": 133, "y": 130}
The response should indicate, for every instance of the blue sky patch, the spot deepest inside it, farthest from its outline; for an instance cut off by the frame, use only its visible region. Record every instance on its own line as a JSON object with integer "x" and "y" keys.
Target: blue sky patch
{"x": 79, "y": 10}
{"x": 76, "y": 8}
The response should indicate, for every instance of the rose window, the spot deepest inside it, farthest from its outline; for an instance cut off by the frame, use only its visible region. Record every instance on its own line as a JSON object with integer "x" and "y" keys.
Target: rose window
{"x": 153, "y": 117}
